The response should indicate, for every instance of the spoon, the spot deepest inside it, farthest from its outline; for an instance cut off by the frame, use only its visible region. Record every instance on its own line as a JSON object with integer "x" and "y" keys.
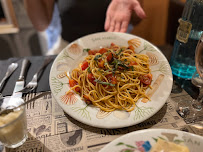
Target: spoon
{"x": 12, "y": 108}
{"x": 11, "y": 68}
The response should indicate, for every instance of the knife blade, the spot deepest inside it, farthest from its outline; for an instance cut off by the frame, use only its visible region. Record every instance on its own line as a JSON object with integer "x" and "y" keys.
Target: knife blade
{"x": 21, "y": 80}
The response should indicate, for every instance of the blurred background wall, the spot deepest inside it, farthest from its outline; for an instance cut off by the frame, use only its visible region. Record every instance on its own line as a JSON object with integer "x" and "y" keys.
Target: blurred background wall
{"x": 24, "y": 41}
{"x": 162, "y": 21}
{"x": 159, "y": 28}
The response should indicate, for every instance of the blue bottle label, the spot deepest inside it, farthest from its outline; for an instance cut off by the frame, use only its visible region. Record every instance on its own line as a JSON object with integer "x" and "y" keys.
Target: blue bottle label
{"x": 183, "y": 31}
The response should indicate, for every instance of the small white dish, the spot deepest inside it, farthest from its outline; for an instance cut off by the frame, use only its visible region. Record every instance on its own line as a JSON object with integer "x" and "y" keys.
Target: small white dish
{"x": 143, "y": 140}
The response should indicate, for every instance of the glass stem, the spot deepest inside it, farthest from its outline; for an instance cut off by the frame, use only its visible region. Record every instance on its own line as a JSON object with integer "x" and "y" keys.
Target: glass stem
{"x": 197, "y": 103}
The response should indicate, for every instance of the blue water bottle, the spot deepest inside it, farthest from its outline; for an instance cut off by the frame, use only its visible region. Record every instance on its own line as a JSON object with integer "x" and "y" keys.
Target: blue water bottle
{"x": 188, "y": 34}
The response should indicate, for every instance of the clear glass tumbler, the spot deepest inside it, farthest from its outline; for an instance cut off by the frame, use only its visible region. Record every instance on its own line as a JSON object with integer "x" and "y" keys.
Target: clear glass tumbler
{"x": 13, "y": 126}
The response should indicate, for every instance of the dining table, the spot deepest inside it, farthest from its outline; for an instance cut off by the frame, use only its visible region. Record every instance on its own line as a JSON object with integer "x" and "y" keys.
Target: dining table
{"x": 52, "y": 129}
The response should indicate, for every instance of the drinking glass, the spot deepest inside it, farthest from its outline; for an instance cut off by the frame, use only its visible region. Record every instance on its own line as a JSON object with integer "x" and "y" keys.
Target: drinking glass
{"x": 190, "y": 109}
{"x": 197, "y": 78}
{"x": 13, "y": 126}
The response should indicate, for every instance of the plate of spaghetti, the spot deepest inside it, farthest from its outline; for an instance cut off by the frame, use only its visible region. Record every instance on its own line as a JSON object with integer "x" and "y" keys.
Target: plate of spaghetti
{"x": 111, "y": 80}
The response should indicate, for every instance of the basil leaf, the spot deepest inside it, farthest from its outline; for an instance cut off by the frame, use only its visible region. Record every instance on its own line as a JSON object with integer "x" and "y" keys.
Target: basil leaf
{"x": 117, "y": 63}
{"x": 120, "y": 143}
{"x": 132, "y": 68}
{"x": 97, "y": 57}
{"x": 105, "y": 83}
{"x": 88, "y": 69}
{"x": 124, "y": 66}
{"x": 108, "y": 70}
{"x": 86, "y": 50}
{"x": 120, "y": 51}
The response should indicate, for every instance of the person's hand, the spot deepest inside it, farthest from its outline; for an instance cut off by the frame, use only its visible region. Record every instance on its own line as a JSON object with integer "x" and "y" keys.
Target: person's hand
{"x": 119, "y": 13}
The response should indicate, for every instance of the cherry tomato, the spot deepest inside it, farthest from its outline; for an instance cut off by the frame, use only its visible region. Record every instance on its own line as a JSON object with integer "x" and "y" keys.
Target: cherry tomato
{"x": 131, "y": 48}
{"x": 132, "y": 63}
{"x": 77, "y": 89}
{"x": 109, "y": 76}
{"x": 112, "y": 44}
{"x": 109, "y": 57}
{"x": 91, "y": 78}
{"x": 84, "y": 65}
{"x": 87, "y": 99}
{"x": 92, "y": 52}
{"x": 146, "y": 79}
{"x": 72, "y": 83}
{"x": 112, "y": 79}
{"x": 101, "y": 63}
{"x": 102, "y": 50}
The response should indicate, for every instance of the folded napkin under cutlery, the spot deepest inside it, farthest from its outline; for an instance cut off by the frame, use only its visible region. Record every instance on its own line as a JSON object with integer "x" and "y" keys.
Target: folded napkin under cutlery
{"x": 34, "y": 82}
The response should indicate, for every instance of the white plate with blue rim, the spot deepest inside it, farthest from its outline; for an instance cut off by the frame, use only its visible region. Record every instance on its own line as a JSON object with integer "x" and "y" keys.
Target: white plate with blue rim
{"x": 70, "y": 57}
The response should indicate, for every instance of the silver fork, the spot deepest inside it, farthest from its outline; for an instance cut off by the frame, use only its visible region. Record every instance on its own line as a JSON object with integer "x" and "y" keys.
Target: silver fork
{"x": 33, "y": 83}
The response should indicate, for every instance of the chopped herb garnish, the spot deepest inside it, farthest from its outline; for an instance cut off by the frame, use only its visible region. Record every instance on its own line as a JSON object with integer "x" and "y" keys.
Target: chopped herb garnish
{"x": 120, "y": 51}
{"x": 117, "y": 63}
{"x": 86, "y": 50}
{"x": 132, "y": 68}
{"x": 108, "y": 70}
{"x": 88, "y": 69}
{"x": 97, "y": 57}
{"x": 124, "y": 66}
{"x": 114, "y": 69}
{"x": 105, "y": 83}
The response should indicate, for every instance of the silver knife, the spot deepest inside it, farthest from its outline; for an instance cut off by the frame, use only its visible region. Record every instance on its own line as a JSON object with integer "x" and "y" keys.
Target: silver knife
{"x": 21, "y": 80}
{"x": 11, "y": 68}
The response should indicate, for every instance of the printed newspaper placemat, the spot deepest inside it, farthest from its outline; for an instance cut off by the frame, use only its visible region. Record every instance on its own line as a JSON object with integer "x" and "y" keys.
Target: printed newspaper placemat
{"x": 50, "y": 129}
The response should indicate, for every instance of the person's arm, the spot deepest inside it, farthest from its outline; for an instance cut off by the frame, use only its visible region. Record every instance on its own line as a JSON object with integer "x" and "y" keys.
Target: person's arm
{"x": 119, "y": 14}
{"x": 40, "y": 12}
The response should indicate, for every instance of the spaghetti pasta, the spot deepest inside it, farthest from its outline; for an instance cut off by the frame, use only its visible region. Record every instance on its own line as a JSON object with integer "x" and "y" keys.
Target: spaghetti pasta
{"x": 112, "y": 78}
